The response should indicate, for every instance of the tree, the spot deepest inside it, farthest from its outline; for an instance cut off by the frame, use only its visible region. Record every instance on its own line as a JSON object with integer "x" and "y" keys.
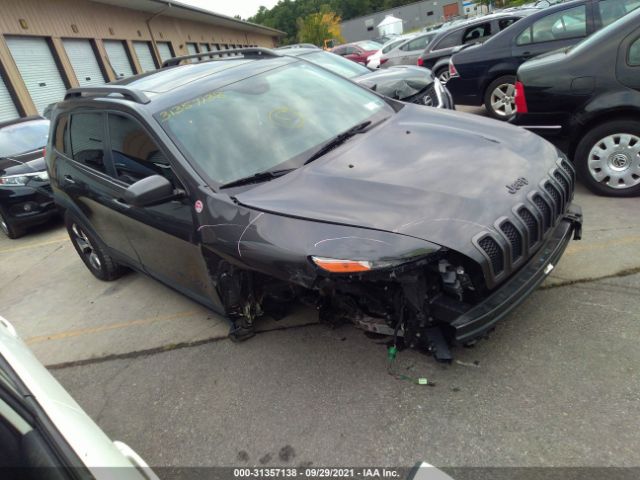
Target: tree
{"x": 317, "y": 27}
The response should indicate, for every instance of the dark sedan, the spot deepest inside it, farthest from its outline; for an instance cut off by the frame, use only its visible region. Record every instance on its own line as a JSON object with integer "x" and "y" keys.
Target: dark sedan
{"x": 25, "y": 193}
{"x": 587, "y": 100}
{"x": 486, "y": 73}
{"x": 407, "y": 82}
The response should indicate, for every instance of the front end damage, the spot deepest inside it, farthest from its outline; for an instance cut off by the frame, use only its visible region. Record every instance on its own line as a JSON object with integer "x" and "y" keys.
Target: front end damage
{"x": 433, "y": 302}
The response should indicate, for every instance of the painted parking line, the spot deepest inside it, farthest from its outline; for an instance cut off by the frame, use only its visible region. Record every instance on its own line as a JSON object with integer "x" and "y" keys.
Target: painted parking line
{"x": 112, "y": 326}
{"x": 30, "y": 246}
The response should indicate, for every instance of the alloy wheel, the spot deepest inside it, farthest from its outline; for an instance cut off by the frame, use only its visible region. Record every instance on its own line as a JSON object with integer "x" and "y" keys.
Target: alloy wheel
{"x": 503, "y": 100}
{"x": 80, "y": 238}
{"x": 444, "y": 76}
{"x": 615, "y": 161}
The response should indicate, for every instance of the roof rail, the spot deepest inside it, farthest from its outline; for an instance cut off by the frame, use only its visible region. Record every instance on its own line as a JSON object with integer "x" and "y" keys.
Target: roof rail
{"x": 246, "y": 52}
{"x": 128, "y": 93}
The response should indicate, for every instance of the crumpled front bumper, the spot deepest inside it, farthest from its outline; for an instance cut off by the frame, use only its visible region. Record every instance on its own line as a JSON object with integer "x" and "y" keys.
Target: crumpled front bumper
{"x": 483, "y": 316}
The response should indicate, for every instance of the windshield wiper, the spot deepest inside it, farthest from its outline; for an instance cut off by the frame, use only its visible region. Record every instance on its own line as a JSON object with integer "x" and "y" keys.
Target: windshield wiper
{"x": 338, "y": 140}
{"x": 257, "y": 177}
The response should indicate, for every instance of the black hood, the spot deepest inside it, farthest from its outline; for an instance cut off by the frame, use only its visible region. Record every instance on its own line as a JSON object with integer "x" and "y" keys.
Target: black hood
{"x": 436, "y": 175}
{"x": 29, "y": 162}
{"x": 397, "y": 82}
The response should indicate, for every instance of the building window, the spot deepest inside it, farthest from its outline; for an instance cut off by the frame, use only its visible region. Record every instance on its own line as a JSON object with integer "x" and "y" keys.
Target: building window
{"x": 429, "y": 13}
{"x": 369, "y": 24}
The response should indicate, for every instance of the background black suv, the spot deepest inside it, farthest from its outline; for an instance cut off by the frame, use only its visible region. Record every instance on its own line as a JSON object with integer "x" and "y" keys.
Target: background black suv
{"x": 486, "y": 74}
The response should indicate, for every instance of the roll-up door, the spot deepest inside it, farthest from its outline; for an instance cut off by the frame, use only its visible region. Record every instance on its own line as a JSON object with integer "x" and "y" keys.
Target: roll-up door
{"x": 38, "y": 69}
{"x": 118, "y": 58}
{"x": 84, "y": 62}
{"x": 8, "y": 110}
{"x": 204, "y": 47}
{"x": 192, "y": 49}
{"x": 164, "y": 50}
{"x": 145, "y": 57}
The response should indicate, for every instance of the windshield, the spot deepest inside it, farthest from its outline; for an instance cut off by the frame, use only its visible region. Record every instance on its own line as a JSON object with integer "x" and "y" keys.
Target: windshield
{"x": 23, "y": 137}
{"x": 337, "y": 64}
{"x": 369, "y": 45}
{"x": 269, "y": 120}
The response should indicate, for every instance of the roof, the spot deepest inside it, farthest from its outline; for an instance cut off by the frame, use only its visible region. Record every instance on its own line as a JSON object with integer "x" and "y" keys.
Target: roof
{"x": 174, "y": 9}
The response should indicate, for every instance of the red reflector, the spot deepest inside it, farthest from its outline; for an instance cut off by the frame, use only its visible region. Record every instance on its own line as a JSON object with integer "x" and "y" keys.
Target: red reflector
{"x": 383, "y": 60}
{"x": 521, "y": 101}
{"x": 452, "y": 69}
{"x": 44, "y": 152}
{"x": 420, "y": 62}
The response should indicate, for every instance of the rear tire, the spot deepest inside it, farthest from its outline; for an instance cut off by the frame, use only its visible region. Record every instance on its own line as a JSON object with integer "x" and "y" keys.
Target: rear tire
{"x": 499, "y": 98}
{"x": 607, "y": 158}
{"x": 442, "y": 74}
{"x": 11, "y": 231}
{"x": 99, "y": 263}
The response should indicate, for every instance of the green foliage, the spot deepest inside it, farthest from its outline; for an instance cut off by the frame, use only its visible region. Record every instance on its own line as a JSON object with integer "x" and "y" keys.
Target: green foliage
{"x": 317, "y": 27}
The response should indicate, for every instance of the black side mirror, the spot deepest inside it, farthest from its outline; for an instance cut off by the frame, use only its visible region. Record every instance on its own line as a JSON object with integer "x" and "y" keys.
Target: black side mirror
{"x": 149, "y": 191}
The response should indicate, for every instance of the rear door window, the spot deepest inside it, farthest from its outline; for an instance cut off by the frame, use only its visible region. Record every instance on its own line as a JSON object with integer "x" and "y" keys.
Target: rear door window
{"x": 476, "y": 33}
{"x": 570, "y": 23}
{"x": 418, "y": 44}
{"x": 134, "y": 153}
{"x": 612, "y": 10}
{"x": 451, "y": 40}
{"x": 86, "y": 140}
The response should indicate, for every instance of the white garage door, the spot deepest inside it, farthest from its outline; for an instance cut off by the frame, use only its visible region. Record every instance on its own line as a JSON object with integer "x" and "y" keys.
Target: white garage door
{"x": 143, "y": 51}
{"x": 164, "y": 50}
{"x": 191, "y": 48}
{"x": 38, "y": 69}
{"x": 8, "y": 110}
{"x": 118, "y": 58}
{"x": 84, "y": 62}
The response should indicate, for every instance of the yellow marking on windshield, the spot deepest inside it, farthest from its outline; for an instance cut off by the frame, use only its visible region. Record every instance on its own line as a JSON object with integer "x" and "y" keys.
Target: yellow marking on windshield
{"x": 183, "y": 107}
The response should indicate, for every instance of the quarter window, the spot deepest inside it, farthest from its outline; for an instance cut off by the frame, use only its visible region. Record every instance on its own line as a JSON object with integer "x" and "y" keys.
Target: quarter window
{"x": 134, "y": 154}
{"x": 86, "y": 138}
{"x": 633, "y": 58}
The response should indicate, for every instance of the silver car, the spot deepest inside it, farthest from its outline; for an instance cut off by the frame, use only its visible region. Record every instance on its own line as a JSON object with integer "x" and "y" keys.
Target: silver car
{"x": 407, "y": 52}
{"x": 43, "y": 428}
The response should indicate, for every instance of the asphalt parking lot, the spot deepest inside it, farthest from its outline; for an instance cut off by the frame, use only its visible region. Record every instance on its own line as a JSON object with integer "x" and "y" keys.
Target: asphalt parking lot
{"x": 557, "y": 384}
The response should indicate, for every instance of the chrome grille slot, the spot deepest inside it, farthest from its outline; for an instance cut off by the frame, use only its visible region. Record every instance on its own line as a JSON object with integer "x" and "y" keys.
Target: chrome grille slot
{"x": 531, "y": 223}
{"x": 544, "y": 208}
{"x": 494, "y": 252}
{"x": 515, "y": 239}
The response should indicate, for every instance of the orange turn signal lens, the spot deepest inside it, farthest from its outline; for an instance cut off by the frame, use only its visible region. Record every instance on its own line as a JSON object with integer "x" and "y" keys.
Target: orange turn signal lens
{"x": 341, "y": 266}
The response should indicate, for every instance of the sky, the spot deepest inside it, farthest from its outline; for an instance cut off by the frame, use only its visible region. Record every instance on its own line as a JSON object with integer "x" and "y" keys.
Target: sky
{"x": 244, "y": 8}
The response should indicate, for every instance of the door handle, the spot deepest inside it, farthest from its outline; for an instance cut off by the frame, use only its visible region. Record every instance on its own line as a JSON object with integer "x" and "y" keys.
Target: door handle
{"x": 527, "y": 54}
{"x": 121, "y": 203}
{"x": 69, "y": 179}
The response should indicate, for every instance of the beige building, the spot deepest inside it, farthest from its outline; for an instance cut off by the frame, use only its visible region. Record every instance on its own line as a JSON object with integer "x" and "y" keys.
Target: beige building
{"x": 47, "y": 46}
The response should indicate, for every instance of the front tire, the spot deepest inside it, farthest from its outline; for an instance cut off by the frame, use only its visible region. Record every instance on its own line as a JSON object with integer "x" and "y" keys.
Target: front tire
{"x": 99, "y": 263}
{"x": 11, "y": 231}
{"x": 499, "y": 98}
{"x": 607, "y": 158}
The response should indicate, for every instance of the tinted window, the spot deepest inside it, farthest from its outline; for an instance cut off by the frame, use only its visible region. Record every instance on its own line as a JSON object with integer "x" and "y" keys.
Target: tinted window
{"x": 392, "y": 45}
{"x": 134, "y": 154}
{"x": 87, "y": 140}
{"x": 339, "y": 50}
{"x": 451, "y": 40}
{"x": 570, "y": 23}
{"x": 23, "y": 137}
{"x": 477, "y": 32}
{"x": 612, "y": 10}
{"x": 271, "y": 120}
{"x": 633, "y": 58}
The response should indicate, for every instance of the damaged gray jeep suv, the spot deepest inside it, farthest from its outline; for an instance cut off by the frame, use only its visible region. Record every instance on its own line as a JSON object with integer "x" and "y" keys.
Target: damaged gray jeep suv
{"x": 254, "y": 181}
